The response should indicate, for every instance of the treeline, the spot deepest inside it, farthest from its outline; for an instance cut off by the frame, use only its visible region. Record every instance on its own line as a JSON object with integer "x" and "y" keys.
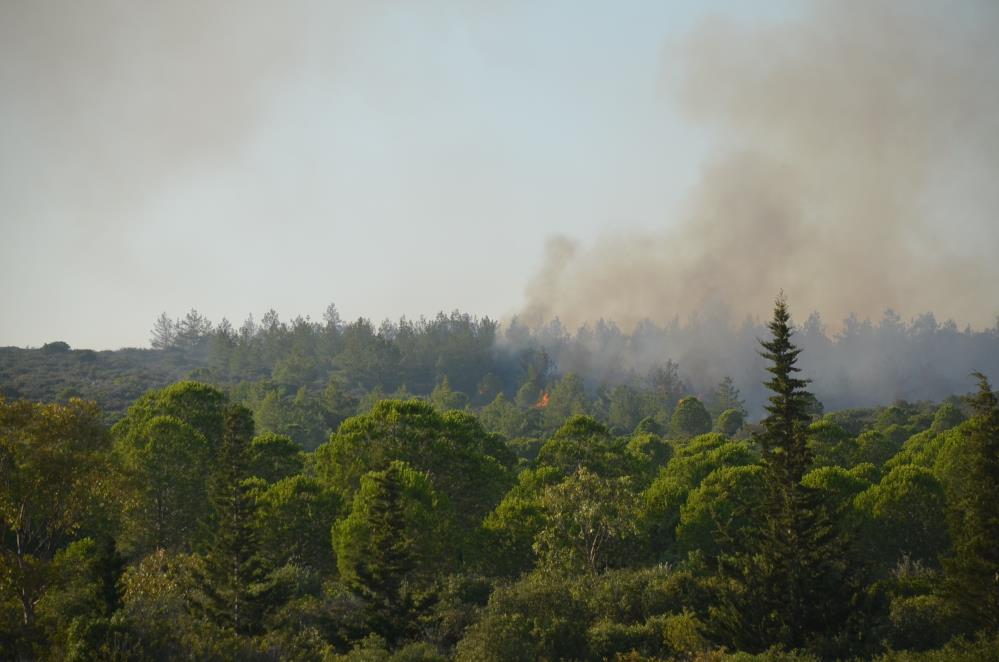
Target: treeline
{"x": 863, "y": 364}
{"x": 413, "y": 532}
{"x": 302, "y": 378}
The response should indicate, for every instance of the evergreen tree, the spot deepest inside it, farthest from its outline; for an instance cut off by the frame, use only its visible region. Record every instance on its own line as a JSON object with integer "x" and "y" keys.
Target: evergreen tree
{"x": 793, "y": 576}
{"x": 376, "y": 552}
{"x": 725, "y": 397}
{"x": 783, "y": 440}
{"x": 164, "y": 332}
{"x": 972, "y": 571}
{"x": 232, "y": 564}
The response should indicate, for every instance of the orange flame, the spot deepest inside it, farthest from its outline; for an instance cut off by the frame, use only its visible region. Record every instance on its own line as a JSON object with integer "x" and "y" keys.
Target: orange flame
{"x": 542, "y": 402}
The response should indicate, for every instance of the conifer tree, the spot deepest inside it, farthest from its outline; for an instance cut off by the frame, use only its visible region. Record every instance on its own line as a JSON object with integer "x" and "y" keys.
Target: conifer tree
{"x": 726, "y": 396}
{"x": 792, "y": 578}
{"x": 376, "y": 552}
{"x": 783, "y": 441}
{"x": 972, "y": 571}
{"x": 232, "y": 564}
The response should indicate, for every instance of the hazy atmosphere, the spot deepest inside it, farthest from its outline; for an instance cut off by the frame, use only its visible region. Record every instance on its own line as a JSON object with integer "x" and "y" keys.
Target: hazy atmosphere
{"x": 542, "y": 159}
{"x": 459, "y": 331}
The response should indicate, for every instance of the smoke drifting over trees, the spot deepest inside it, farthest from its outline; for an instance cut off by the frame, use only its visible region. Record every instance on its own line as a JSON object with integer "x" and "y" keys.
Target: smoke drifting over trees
{"x": 855, "y": 168}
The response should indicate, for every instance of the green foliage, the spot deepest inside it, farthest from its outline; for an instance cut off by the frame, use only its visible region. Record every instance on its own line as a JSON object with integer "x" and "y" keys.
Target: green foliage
{"x": 899, "y": 517}
{"x": 199, "y": 405}
{"x": 232, "y": 566}
{"x": 512, "y": 527}
{"x": 75, "y": 610}
{"x": 445, "y": 398}
{"x": 503, "y": 416}
{"x": 166, "y": 463}
{"x": 972, "y": 569}
{"x": 588, "y": 523}
{"x": 719, "y": 515}
{"x": 628, "y": 407}
{"x": 53, "y": 483}
{"x": 55, "y": 347}
{"x": 452, "y": 448}
{"x": 567, "y": 398}
{"x": 726, "y": 397}
{"x": 792, "y": 578}
{"x": 298, "y": 414}
{"x": 167, "y": 443}
{"x": 830, "y": 444}
{"x": 920, "y": 622}
{"x": 584, "y": 442}
{"x": 838, "y": 488}
{"x": 660, "y": 503}
{"x": 875, "y": 447}
{"x": 459, "y": 601}
{"x": 920, "y": 449}
{"x": 946, "y": 417}
{"x": 981, "y": 649}
{"x": 650, "y": 449}
{"x": 649, "y": 425}
{"x": 690, "y": 419}
{"x": 386, "y": 548}
{"x": 819, "y": 536}
{"x": 537, "y": 618}
{"x": 525, "y": 449}
{"x": 633, "y": 594}
{"x": 274, "y": 457}
{"x": 158, "y": 593}
{"x": 293, "y": 519}
{"x": 730, "y": 422}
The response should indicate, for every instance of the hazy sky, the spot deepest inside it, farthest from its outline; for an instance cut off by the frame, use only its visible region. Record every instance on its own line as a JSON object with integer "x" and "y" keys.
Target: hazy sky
{"x": 391, "y": 157}
{"x": 395, "y": 158}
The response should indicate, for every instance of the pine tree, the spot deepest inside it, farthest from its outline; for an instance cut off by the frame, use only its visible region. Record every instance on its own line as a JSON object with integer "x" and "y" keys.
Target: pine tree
{"x": 232, "y": 564}
{"x": 726, "y": 397}
{"x": 782, "y": 440}
{"x": 972, "y": 571}
{"x": 164, "y": 332}
{"x": 792, "y": 579}
{"x": 376, "y": 554}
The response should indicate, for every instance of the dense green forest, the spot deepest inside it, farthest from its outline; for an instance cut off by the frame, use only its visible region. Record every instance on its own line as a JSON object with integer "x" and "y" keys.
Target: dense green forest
{"x": 430, "y": 491}
{"x": 303, "y": 378}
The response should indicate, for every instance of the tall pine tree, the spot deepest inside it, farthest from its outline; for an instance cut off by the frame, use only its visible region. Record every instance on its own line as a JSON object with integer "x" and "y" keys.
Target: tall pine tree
{"x": 972, "y": 571}
{"x": 232, "y": 562}
{"x": 791, "y": 582}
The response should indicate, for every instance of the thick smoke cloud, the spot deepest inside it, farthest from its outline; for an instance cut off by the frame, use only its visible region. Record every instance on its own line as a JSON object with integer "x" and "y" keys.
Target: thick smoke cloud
{"x": 858, "y": 146}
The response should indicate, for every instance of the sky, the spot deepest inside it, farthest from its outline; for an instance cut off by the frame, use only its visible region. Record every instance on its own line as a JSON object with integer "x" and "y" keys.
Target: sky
{"x": 393, "y": 158}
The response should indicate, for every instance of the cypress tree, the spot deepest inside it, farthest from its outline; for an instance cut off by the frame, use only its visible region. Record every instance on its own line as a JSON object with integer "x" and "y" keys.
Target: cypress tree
{"x": 972, "y": 570}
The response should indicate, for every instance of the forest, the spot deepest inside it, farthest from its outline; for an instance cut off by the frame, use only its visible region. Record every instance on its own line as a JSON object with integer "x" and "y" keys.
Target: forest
{"x": 452, "y": 489}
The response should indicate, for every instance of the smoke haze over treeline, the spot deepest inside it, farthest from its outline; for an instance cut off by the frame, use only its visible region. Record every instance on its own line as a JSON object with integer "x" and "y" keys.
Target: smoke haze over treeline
{"x": 866, "y": 363}
{"x": 854, "y": 152}
{"x": 856, "y": 168}
{"x": 295, "y": 363}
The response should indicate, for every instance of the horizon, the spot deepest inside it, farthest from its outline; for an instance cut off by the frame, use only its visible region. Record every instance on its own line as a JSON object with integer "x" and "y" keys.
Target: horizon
{"x": 556, "y": 160}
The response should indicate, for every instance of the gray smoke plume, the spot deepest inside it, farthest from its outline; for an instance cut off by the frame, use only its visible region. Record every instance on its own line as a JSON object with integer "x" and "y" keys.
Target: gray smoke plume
{"x": 856, "y": 170}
